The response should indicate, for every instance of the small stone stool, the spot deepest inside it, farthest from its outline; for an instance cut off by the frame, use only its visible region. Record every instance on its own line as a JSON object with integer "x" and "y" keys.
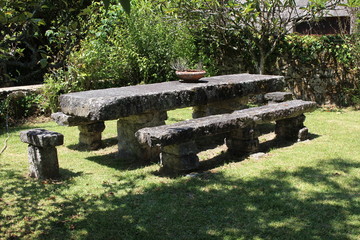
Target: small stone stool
{"x": 276, "y": 97}
{"x": 42, "y": 153}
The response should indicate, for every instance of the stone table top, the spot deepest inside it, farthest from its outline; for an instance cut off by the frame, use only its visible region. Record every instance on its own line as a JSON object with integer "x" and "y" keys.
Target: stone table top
{"x": 114, "y": 103}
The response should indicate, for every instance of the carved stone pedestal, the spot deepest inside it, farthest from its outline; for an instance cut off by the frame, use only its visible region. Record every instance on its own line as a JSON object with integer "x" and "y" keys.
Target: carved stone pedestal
{"x": 179, "y": 158}
{"x": 129, "y": 147}
{"x": 291, "y": 129}
{"x": 90, "y": 135}
{"x": 220, "y": 107}
{"x": 42, "y": 153}
{"x": 243, "y": 141}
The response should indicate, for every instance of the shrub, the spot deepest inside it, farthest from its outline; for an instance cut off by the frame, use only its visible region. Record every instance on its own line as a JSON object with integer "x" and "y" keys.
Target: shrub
{"x": 122, "y": 50}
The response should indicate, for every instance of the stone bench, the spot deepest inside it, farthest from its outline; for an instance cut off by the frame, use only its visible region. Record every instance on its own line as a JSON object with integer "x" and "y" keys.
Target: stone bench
{"x": 177, "y": 141}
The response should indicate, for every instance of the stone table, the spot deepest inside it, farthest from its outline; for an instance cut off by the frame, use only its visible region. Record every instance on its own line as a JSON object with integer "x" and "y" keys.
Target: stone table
{"x": 142, "y": 106}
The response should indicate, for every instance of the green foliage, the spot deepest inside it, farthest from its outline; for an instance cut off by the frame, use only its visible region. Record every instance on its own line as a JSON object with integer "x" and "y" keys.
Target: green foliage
{"x": 123, "y": 49}
{"x": 20, "y": 105}
{"x": 38, "y": 35}
{"x": 334, "y": 59}
{"x": 59, "y": 82}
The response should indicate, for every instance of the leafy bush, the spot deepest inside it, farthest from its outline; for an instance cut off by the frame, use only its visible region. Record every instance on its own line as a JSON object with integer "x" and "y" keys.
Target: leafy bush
{"x": 123, "y": 49}
{"x": 322, "y": 68}
{"x": 20, "y": 105}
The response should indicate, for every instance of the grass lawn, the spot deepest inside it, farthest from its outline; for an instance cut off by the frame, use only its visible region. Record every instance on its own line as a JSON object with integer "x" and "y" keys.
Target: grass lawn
{"x": 308, "y": 190}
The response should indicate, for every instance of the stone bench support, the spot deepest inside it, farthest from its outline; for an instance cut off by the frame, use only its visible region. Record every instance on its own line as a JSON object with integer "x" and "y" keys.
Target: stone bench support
{"x": 291, "y": 129}
{"x": 90, "y": 135}
{"x": 243, "y": 140}
{"x": 42, "y": 153}
{"x": 220, "y": 107}
{"x": 129, "y": 147}
{"x": 179, "y": 157}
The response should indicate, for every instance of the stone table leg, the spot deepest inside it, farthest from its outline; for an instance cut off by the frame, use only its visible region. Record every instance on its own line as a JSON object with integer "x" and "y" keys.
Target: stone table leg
{"x": 129, "y": 147}
{"x": 221, "y": 107}
{"x": 90, "y": 135}
{"x": 291, "y": 129}
{"x": 225, "y": 106}
{"x": 243, "y": 141}
{"x": 179, "y": 157}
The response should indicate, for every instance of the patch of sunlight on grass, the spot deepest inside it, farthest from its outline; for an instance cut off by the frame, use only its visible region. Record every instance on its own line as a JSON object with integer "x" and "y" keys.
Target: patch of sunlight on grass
{"x": 307, "y": 190}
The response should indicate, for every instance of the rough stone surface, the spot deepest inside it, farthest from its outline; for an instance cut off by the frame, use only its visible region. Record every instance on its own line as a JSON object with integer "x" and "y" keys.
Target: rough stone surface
{"x": 303, "y": 134}
{"x": 225, "y": 106}
{"x": 41, "y": 137}
{"x": 179, "y": 158}
{"x": 129, "y": 147}
{"x": 90, "y": 135}
{"x": 289, "y": 129}
{"x": 244, "y": 140}
{"x": 275, "y": 97}
{"x": 215, "y": 124}
{"x": 114, "y": 103}
{"x": 25, "y": 89}
{"x": 67, "y": 120}
{"x": 42, "y": 153}
{"x": 43, "y": 162}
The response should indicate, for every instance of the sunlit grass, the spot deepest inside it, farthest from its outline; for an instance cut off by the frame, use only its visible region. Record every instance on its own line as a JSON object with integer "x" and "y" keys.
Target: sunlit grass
{"x": 308, "y": 190}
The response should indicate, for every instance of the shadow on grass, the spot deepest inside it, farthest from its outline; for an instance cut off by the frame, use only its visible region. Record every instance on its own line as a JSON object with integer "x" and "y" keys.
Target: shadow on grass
{"x": 109, "y": 142}
{"x": 112, "y": 160}
{"x": 211, "y": 206}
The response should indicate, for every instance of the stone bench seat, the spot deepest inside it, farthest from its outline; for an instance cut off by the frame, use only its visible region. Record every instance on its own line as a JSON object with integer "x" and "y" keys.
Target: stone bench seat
{"x": 177, "y": 141}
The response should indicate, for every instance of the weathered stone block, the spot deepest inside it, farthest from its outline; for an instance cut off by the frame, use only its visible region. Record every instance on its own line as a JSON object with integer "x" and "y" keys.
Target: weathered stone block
{"x": 66, "y": 120}
{"x": 243, "y": 141}
{"x": 128, "y": 145}
{"x": 42, "y": 153}
{"x": 303, "y": 134}
{"x": 240, "y": 147}
{"x": 220, "y": 107}
{"x": 90, "y": 135}
{"x": 43, "y": 162}
{"x": 181, "y": 148}
{"x": 288, "y": 129}
{"x": 179, "y": 158}
{"x": 276, "y": 97}
{"x": 41, "y": 137}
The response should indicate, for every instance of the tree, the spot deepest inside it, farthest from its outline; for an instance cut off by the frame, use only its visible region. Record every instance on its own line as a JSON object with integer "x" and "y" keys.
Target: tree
{"x": 37, "y": 35}
{"x": 269, "y": 21}
{"x": 259, "y": 26}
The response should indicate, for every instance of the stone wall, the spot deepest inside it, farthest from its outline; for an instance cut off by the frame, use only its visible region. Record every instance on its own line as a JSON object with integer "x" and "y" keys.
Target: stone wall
{"x": 16, "y": 102}
{"x": 324, "y": 84}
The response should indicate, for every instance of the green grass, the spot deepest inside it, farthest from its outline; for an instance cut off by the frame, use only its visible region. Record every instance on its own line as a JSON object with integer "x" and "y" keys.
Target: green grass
{"x": 308, "y": 190}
